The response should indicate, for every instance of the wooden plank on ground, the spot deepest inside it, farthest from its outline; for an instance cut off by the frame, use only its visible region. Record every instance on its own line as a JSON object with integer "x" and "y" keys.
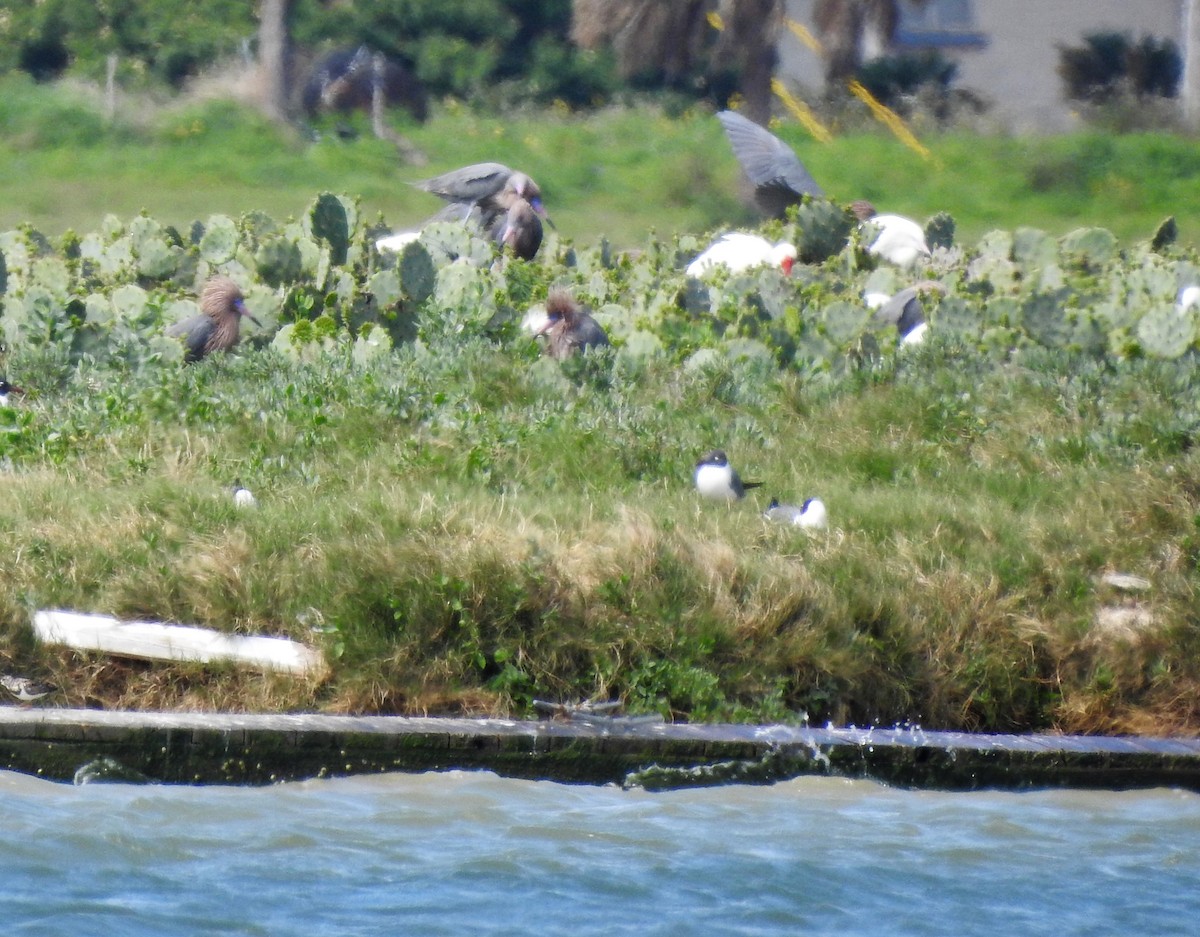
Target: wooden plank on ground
{"x": 152, "y": 640}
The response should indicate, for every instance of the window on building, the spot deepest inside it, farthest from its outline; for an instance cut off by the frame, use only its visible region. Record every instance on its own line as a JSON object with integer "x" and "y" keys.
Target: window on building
{"x": 938, "y": 24}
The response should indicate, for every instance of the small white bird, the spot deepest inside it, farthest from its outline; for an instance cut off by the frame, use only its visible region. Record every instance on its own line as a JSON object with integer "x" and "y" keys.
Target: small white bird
{"x": 737, "y": 251}
{"x": 715, "y": 478}
{"x": 810, "y": 515}
{"x": 396, "y": 242}
{"x": 899, "y": 240}
{"x": 25, "y": 689}
{"x": 242, "y": 497}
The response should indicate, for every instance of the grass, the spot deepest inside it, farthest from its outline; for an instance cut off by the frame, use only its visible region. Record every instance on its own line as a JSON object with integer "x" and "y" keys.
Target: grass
{"x": 618, "y": 173}
{"x": 465, "y": 527}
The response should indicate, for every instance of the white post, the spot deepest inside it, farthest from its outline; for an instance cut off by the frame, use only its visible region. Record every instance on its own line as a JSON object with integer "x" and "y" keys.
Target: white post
{"x": 110, "y": 88}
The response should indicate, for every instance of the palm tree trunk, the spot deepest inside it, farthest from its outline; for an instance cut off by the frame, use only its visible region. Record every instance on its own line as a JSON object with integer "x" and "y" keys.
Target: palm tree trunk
{"x": 1191, "y": 64}
{"x": 273, "y": 48}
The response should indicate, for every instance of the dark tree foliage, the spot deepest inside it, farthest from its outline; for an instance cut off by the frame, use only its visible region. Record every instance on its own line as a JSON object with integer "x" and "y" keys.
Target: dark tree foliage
{"x": 893, "y": 77}
{"x": 1108, "y": 64}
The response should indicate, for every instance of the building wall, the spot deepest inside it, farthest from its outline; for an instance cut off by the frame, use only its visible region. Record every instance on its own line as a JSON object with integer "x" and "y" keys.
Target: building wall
{"x": 1015, "y": 68}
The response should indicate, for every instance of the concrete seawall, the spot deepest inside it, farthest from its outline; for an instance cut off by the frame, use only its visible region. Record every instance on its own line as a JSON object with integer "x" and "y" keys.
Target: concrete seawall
{"x": 193, "y": 748}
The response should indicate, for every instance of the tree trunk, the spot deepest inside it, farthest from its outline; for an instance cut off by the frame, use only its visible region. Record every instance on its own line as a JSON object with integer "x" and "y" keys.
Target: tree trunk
{"x": 273, "y": 48}
{"x": 1190, "y": 90}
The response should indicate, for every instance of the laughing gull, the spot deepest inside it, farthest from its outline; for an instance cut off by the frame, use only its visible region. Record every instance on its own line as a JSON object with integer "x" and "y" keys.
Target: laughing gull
{"x": 715, "y": 478}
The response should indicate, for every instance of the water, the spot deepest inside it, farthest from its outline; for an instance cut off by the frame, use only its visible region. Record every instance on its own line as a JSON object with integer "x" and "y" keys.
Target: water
{"x": 472, "y": 853}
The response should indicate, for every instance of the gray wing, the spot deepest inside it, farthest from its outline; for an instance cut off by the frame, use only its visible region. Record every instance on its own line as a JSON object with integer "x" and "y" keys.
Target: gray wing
{"x": 469, "y": 184}
{"x": 588, "y": 333}
{"x": 779, "y": 177}
{"x": 195, "y": 333}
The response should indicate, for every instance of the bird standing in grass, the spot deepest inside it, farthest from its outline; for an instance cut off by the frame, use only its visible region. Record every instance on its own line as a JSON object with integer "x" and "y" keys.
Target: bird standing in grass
{"x": 5, "y": 390}
{"x": 810, "y": 515}
{"x": 217, "y": 327}
{"x": 243, "y": 497}
{"x": 25, "y": 689}
{"x": 568, "y": 327}
{"x": 715, "y": 478}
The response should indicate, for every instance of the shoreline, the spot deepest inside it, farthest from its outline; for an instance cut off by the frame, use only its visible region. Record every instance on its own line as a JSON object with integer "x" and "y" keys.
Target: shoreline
{"x": 77, "y": 745}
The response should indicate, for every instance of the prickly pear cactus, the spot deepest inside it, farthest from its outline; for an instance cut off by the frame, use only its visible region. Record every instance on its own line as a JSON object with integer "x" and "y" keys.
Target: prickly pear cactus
{"x": 823, "y": 227}
{"x": 416, "y": 272}
{"x": 155, "y": 255}
{"x": 219, "y": 241}
{"x": 1165, "y": 333}
{"x": 954, "y": 318}
{"x": 1033, "y": 248}
{"x": 1088, "y": 248}
{"x": 1044, "y": 316}
{"x": 329, "y": 223}
{"x": 1165, "y": 235}
{"x": 844, "y": 322}
{"x": 939, "y": 231}
{"x": 3, "y": 274}
{"x": 278, "y": 261}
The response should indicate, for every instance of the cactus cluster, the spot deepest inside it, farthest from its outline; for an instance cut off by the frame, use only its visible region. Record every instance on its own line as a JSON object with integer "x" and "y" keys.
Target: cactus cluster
{"x": 319, "y": 283}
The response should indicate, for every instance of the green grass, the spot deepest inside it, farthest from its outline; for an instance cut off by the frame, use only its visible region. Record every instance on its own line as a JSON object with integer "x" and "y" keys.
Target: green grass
{"x": 618, "y": 173}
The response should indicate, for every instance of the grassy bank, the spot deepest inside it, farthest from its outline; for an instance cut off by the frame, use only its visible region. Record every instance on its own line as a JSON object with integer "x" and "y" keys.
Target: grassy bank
{"x": 464, "y": 526}
{"x": 465, "y": 529}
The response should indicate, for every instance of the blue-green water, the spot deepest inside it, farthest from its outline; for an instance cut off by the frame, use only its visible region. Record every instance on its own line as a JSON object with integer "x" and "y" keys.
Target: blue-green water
{"x": 471, "y": 853}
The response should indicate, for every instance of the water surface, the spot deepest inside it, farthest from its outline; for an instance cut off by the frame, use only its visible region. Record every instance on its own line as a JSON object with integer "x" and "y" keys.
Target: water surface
{"x": 473, "y": 853}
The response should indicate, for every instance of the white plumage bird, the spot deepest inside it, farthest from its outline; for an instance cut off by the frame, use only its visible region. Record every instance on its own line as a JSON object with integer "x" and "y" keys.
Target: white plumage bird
{"x": 898, "y": 240}
{"x": 810, "y": 515}
{"x": 737, "y": 251}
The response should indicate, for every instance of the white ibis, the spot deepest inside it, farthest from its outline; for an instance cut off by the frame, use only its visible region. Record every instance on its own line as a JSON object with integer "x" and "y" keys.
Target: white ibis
{"x": 737, "y": 251}
{"x": 898, "y": 240}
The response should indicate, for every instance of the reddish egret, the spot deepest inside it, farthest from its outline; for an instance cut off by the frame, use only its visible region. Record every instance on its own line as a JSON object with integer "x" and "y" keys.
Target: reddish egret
{"x": 519, "y": 228}
{"x": 482, "y": 192}
{"x": 568, "y": 327}
{"x": 216, "y": 327}
{"x": 715, "y": 478}
{"x": 779, "y": 178}
{"x": 738, "y": 251}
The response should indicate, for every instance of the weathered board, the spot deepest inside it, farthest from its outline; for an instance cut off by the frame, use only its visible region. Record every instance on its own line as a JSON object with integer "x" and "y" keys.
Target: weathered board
{"x": 152, "y": 640}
